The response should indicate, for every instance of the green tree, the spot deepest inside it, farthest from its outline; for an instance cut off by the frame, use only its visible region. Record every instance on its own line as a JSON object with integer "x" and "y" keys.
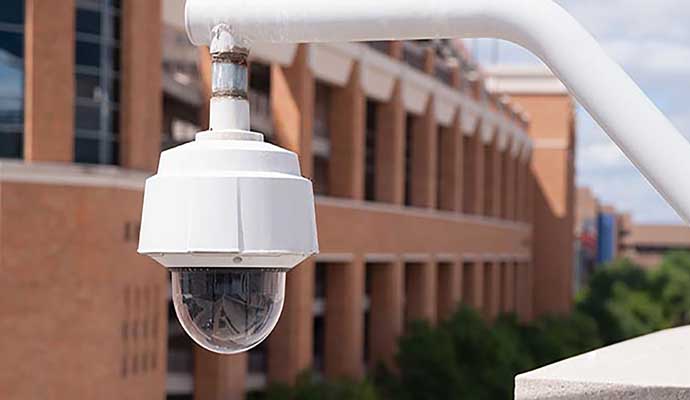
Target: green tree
{"x": 310, "y": 387}
{"x": 553, "y": 338}
{"x": 671, "y": 286}
{"x": 427, "y": 365}
{"x": 619, "y": 298}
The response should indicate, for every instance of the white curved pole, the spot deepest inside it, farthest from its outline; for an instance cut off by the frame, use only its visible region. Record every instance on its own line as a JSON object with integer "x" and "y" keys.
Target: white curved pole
{"x": 632, "y": 121}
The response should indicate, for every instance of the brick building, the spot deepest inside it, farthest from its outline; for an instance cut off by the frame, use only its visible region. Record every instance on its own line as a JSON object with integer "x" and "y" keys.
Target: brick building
{"x": 433, "y": 186}
{"x": 646, "y": 244}
{"x": 604, "y": 234}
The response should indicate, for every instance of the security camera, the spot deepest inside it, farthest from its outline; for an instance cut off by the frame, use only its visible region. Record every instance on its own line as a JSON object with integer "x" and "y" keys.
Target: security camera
{"x": 229, "y": 215}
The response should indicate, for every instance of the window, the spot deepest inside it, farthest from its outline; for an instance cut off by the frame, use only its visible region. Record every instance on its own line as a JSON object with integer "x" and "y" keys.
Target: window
{"x": 319, "y": 332}
{"x": 368, "y": 276}
{"x": 260, "y": 100}
{"x": 257, "y": 360}
{"x": 444, "y": 71}
{"x": 488, "y": 180}
{"x": 322, "y": 138}
{"x": 468, "y": 280}
{"x": 370, "y": 152}
{"x": 409, "y": 126}
{"x": 444, "y": 171}
{"x": 505, "y": 303}
{"x": 381, "y": 46}
{"x": 489, "y": 306}
{"x": 507, "y": 197}
{"x": 414, "y": 54}
{"x": 468, "y": 174}
{"x": 11, "y": 78}
{"x": 97, "y": 66}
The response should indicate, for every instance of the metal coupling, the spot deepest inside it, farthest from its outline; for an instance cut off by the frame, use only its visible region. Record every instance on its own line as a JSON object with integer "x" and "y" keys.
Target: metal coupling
{"x": 229, "y": 75}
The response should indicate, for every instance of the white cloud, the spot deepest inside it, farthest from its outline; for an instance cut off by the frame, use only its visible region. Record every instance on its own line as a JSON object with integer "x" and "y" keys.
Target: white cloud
{"x": 602, "y": 155}
{"x": 632, "y": 19}
{"x": 660, "y": 59}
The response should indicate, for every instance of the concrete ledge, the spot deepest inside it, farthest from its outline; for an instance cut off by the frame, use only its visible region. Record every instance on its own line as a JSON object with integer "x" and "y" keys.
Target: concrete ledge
{"x": 652, "y": 367}
{"x": 69, "y": 174}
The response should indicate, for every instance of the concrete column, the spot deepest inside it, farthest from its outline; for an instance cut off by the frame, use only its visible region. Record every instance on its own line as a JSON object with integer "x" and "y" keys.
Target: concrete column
{"x": 386, "y": 312}
{"x": 292, "y": 106}
{"x": 290, "y": 344}
{"x": 141, "y": 104}
{"x": 473, "y": 285}
{"x": 451, "y": 175}
{"x": 449, "y": 289}
{"x": 344, "y": 320}
{"x": 219, "y": 377}
{"x": 507, "y": 287}
{"x": 492, "y": 290}
{"x": 524, "y": 286}
{"x": 390, "y": 157}
{"x": 424, "y": 164}
{"x": 49, "y": 81}
{"x": 348, "y": 130}
{"x": 420, "y": 291}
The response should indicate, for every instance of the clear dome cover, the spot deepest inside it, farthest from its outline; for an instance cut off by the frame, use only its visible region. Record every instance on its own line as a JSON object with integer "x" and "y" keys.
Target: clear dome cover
{"x": 228, "y": 310}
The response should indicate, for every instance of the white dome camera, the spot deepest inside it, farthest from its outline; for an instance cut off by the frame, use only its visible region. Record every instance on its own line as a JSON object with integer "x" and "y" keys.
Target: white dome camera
{"x": 229, "y": 215}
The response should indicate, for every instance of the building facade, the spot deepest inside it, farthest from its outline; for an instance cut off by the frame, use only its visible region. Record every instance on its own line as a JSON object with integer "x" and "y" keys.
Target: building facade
{"x": 647, "y": 244}
{"x": 552, "y": 131}
{"x": 433, "y": 190}
{"x": 81, "y": 314}
{"x": 602, "y": 235}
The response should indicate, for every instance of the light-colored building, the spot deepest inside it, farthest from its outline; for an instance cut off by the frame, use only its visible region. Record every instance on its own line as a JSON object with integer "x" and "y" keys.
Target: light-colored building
{"x": 433, "y": 189}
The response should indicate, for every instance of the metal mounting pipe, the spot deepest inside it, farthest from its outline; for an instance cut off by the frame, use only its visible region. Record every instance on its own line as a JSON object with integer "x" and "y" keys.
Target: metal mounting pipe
{"x": 229, "y": 108}
{"x": 632, "y": 121}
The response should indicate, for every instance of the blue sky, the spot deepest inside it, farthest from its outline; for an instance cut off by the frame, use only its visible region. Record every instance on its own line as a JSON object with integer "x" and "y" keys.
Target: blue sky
{"x": 651, "y": 39}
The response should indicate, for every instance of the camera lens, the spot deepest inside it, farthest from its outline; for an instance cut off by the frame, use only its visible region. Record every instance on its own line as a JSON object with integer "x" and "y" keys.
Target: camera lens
{"x": 228, "y": 310}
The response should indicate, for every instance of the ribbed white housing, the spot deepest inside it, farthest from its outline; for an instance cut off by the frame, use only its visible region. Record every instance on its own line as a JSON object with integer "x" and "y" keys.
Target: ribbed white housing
{"x": 217, "y": 202}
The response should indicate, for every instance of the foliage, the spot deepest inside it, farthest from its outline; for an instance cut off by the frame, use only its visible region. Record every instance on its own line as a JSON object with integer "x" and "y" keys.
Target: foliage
{"x": 620, "y": 298}
{"x": 671, "y": 287}
{"x": 310, "y": 387}
{"x": 465, "y": 357}
{"x": 627, "y": 301}
{"x": 550, "y": 338}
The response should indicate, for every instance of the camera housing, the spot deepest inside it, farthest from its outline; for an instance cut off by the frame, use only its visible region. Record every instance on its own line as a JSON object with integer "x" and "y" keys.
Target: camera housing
{"x": 229, "y": 215}
{"x": 228, "y": 200}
